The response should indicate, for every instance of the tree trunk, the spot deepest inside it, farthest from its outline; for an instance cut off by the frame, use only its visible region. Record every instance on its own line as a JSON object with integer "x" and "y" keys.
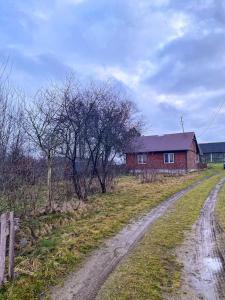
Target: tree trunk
{"x": 49, "y": 183}
{"x": 78, "y": 184}
{"x": 103, "y": 180}
{"x": 103, "y": 187}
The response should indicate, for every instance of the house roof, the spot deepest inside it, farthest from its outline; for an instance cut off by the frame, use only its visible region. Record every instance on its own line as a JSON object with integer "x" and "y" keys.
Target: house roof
{"x": 167, "y": 142}
{"x": 213, "y": 147}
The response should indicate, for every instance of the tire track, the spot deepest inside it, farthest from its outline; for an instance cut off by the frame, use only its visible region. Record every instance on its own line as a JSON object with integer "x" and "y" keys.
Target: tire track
{"x": 86, "y": 282}
{"x": 204, "y": 266}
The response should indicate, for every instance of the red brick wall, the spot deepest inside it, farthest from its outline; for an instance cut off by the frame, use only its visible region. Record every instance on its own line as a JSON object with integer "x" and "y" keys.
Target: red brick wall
{"x": 156, "y": 161}
{"x": 192, "y": 157}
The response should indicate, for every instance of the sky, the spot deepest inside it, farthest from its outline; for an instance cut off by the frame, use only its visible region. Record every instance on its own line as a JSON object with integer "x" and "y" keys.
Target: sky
{"x": 168, "y": 54}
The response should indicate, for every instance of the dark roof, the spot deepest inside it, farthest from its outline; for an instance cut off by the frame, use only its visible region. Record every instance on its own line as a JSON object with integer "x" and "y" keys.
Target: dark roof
{"x": 167, "y": 142}
{"x": 213, "y": 147}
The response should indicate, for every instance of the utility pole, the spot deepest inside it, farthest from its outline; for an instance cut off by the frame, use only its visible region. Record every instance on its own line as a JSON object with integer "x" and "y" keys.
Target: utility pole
{"x": 182, "y": 123}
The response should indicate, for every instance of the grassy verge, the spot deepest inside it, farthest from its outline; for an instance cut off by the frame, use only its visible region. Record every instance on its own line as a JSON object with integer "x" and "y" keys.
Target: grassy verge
{"x": 220, "y": 209}
{"x": 152, "y": 270}
{"x": 70, "y": 239}
{"x": 220, "y": 218}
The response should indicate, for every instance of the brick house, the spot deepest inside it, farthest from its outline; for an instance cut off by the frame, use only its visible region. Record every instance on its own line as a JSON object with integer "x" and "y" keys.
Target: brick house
{"x": 169, "y": 152}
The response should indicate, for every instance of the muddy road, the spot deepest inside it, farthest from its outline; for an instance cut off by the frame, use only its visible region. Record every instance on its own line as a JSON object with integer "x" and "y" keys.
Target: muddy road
{"x": 86, "y": 282}
{"x": 204, "y": 267}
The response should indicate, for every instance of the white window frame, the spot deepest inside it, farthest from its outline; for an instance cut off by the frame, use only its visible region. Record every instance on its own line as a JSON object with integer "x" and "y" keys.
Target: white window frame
{"x": 171, "y": 158}
{"x": 142, "y": 159}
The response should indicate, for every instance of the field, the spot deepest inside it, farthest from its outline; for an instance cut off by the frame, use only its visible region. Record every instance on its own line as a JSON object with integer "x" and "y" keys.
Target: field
{"x": 56, "y": 244}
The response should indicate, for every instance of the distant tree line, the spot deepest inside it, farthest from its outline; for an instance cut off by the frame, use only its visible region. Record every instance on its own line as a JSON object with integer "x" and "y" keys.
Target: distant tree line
{"x": 62, "y": 144}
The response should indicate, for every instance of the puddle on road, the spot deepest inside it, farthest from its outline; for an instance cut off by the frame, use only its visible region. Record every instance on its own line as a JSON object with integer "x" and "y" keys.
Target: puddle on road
{"x": 213, "y": 264}
{"x": 203, "y": 275}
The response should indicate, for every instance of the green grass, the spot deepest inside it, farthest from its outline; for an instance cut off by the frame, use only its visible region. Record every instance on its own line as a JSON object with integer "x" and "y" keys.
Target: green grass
{"x": 220, "y": 208}
{"x": 63, "y": 241}
{"x": 152, "y": 270}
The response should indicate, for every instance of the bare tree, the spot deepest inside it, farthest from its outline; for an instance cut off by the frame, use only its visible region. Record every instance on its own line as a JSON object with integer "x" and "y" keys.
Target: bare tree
{"x": 89, "y": 127}
{"x": 6, "y": 128}
{"x": 43, "y": 129}
{"x": 73, "y": 120}
{"x": 13, "y": 165}
{"x": 96, "y": 125}
{"x": 111, "y": 128}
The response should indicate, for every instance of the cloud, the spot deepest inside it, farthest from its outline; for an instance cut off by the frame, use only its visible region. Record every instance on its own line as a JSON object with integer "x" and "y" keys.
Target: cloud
{"x": 169, "y": 54}
{"x": 186, "y": 64}
{"x": 30, "y": 72}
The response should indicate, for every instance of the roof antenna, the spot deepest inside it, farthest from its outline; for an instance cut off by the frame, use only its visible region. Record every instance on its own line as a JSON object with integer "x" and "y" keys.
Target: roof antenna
{"x": 182, "y": 123}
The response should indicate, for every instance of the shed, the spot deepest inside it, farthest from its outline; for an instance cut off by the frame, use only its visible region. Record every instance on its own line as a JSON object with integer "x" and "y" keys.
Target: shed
{"x": 213, "y": 152}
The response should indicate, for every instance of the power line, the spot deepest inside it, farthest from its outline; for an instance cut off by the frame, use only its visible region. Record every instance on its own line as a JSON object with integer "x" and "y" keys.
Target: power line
{"x": 213, "y": 118}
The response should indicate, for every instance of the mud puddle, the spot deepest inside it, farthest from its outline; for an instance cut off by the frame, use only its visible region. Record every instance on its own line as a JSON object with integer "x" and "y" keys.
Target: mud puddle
{"x": 204, "y": 269}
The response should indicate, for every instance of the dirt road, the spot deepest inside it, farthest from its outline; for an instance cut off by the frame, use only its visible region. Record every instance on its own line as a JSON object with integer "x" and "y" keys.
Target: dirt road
{"x": 204, "y": 267}
{"x": 85, "y": 283}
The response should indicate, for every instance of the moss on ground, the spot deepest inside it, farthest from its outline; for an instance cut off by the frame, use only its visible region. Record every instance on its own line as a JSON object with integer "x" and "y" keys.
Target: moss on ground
{"x": 152, "y": 270}
{"x": 72, "y": 237}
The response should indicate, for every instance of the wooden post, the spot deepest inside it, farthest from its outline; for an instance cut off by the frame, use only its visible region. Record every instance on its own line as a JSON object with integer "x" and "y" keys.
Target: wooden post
{"x": 11, "y": 245}
{"x": 3, "y": 246}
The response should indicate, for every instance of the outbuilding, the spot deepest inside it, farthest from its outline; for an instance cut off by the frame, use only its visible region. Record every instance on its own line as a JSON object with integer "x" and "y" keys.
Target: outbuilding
{"x": 213, "y": 152}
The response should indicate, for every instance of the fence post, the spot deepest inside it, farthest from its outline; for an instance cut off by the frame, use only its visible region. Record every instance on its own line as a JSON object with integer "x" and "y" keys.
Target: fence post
{"x": 3, "y": 220}
{"x": 11, "y": 245}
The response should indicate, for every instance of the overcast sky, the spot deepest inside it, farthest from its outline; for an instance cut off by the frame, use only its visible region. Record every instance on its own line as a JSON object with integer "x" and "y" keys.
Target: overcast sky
{"x": 169, "y": 54}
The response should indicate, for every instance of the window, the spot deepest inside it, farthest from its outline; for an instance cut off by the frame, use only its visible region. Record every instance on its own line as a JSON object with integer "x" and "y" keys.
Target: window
{"x": 142, "y": 159}
{"x": 168, "y": 158}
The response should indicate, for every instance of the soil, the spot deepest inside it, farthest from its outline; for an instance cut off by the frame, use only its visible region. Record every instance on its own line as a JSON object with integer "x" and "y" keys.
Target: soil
{"x": 86, "y": 282}
{"x": 204, "y": 266}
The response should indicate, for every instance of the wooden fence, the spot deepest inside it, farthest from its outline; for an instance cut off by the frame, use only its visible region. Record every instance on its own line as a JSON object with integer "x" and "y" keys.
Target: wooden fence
{"x": 8, "y": 225}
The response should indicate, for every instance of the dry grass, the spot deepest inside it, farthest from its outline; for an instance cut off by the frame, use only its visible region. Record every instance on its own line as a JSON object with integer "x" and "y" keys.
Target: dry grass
{"x": 64, "y": 240}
